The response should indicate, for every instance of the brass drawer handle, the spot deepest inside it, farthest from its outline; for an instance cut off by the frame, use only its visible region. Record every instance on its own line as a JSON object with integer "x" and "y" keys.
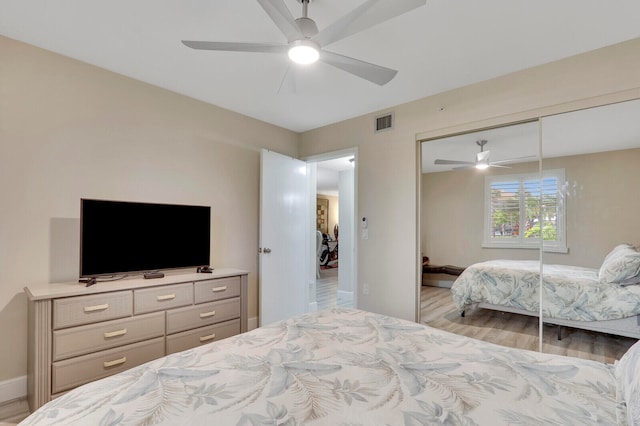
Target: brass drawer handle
{"x": 209, "y": 337}
{"x": 167, "y": 297}
{"x": 115, "y": 333}
{"x": 115, "y": 362}
{"x": 96, "y": 308}
{"x": 216, "y": 289}
{"x": 207, "y": 314}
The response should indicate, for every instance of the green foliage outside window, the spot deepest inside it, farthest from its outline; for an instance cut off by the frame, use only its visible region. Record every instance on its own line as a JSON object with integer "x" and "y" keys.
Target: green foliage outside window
{"x": 506, "y": 214}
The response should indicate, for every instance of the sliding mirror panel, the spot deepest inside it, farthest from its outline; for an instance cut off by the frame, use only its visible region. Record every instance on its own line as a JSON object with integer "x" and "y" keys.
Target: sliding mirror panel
{"x": 590, "y": 223}
{"x": 479, "y": 203}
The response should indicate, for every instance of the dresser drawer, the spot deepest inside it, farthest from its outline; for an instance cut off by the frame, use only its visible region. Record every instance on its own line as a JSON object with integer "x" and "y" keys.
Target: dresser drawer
{"x": 222, "y": 288}
{"x": 96, "y": 337}
{"x": 201, "y": 315}
{"x": 160, "y": 298}
{"x": 74, "y": 372}
{"x": 80, "y": 310}
{"x": 203, "y": 335}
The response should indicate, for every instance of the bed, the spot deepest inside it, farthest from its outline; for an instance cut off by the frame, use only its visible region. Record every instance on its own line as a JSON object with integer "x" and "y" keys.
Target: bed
{"x": 346, "y": 366}
{"x": 605, "y": 299}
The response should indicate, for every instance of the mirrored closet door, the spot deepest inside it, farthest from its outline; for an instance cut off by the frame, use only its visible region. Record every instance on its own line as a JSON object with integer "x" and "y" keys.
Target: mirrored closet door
{"x": 590, "y": 224}
{"x": 480, "y": 203}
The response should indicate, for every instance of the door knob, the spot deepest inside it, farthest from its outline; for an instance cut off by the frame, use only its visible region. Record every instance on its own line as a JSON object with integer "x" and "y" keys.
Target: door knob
{"x": 266, "y": 250}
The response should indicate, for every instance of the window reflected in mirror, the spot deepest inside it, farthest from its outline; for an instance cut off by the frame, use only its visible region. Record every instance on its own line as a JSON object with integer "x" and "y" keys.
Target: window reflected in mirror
{"x": 508, "y": 238}
{"x": 481, "y": 216}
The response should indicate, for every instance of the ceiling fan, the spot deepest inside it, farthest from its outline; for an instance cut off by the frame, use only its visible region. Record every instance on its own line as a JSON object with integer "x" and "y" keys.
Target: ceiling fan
{"x": 482, "y": 160}
{"x": 305, "y": 44}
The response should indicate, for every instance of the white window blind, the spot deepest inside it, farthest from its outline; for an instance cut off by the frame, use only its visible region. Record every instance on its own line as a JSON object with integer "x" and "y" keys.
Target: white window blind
{"x": 522, "y": 209}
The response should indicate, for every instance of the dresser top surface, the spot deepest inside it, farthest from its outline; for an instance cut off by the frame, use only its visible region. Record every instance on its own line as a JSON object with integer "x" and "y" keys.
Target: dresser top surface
{"x": 54, "y": 290}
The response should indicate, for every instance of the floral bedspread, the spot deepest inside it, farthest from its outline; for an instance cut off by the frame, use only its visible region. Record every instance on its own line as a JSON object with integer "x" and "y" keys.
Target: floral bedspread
{"x": 346, "y": 367}
{"x": 570, "y": 292}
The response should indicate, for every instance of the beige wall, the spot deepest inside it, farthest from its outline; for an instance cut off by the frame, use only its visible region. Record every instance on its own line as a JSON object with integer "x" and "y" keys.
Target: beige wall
{"x": 601, "y": 211}
{"x": 453, "y": 217}
{"x": 602, "y": 205}
{"x": 70, "y": 130}
{"x": 388, "y": 174}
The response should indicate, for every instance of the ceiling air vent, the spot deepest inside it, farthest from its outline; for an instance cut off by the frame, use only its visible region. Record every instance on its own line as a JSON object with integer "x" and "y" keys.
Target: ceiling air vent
{"x": 384, "y": 122}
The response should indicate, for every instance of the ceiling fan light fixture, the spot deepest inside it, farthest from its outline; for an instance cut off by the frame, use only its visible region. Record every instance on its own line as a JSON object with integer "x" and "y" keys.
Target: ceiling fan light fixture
{"x": 482, "y": 158}
{"x": 304, "y": 52}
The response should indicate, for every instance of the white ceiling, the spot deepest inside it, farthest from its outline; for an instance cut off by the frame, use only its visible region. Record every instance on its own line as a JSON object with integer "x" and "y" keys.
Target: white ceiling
{"x": 328, "y": 174}
{"x": 606, "y": 128}
{"x": 437, "y": 47}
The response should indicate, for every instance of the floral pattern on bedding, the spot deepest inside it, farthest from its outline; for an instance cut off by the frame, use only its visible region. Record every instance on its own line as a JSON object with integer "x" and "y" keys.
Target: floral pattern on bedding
{"x": 570, "y": 292}
{"x": 344, "y": 367}
{"x": 627, "y": 372}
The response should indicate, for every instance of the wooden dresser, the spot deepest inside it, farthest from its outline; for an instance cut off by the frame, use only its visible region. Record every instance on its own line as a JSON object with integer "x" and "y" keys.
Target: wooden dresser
{"x": 78, "y": 334}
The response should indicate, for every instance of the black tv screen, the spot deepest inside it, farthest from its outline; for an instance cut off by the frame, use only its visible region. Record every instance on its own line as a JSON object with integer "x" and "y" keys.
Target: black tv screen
{"x": 118, "y": 237}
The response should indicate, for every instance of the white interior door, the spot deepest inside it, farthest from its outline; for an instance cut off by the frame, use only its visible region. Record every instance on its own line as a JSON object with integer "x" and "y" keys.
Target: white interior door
{"x": 284, "y": 234}
{"x": 346, "y": 251}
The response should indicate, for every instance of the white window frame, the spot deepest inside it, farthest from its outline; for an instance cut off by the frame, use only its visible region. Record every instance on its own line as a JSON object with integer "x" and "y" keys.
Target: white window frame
{"x": 557, "y": 246}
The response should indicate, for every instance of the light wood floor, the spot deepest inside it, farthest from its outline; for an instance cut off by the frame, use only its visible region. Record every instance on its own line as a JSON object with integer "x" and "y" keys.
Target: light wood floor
{"x": 517, "y": 331}
{"x": 13, "y": 412}
{"x": 327, "y": 290}
{"x": 513, "y": 330}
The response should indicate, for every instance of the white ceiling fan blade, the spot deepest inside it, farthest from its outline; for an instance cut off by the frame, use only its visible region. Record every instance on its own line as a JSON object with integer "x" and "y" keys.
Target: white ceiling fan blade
{"x": 374, "y": 73}
{"x": 281, "y": 16}
{"x": 496, "y": 165}
{"x": 237, "y": 47}
{"x": 514, "y": 159}
{"x": 449, "y": 162}
{"x": 366, "y": 15}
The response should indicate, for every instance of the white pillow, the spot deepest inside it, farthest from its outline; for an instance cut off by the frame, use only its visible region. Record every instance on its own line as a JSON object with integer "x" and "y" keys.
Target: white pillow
{"x": 621, "y": 266}
{"x": 617, "y": 249}
{"x": 627, "y": 372}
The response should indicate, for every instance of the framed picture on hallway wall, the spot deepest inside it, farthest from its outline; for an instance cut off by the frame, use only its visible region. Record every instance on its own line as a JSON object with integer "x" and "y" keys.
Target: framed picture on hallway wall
{"x": 322, "y": 211}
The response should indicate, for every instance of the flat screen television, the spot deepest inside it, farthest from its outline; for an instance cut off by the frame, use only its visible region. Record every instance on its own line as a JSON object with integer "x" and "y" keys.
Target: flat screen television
{"x": 121, "y": 237}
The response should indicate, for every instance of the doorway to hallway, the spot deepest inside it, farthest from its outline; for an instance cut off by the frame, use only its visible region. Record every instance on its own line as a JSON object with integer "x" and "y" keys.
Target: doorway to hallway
{"x": 335, "y": 232}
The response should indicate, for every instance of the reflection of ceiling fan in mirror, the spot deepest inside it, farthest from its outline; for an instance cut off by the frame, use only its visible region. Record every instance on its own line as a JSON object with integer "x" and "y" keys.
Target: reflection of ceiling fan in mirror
{"x": 305, "y": 44}
{"x": 482, "y": 160}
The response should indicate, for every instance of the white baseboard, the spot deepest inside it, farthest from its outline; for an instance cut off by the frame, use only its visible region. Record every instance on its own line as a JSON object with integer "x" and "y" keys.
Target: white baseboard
{"x": 252, "y": 323}
{"x": 347, "y": 296}
{"x": 13, "y": 389}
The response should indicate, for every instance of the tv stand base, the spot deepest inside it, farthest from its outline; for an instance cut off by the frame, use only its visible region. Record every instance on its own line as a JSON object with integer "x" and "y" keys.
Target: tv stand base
{"x": 151, "y": 275}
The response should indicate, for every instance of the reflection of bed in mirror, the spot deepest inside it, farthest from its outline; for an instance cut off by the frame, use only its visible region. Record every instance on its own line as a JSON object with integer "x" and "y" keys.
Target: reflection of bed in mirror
{"x": 605, "y": 299}
{"x": 598, "y": 152}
